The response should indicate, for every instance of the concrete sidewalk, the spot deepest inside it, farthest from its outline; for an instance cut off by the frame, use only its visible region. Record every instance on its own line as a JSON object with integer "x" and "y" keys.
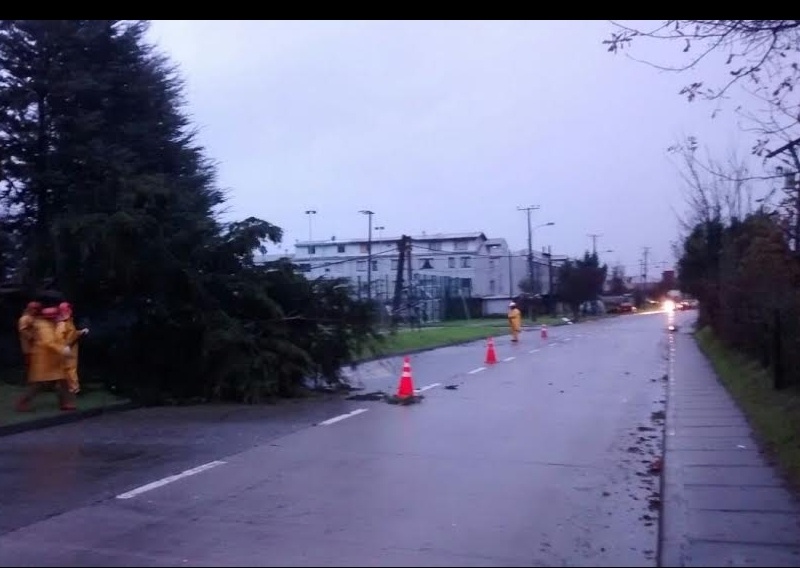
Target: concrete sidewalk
{"x": 723, "y": 504}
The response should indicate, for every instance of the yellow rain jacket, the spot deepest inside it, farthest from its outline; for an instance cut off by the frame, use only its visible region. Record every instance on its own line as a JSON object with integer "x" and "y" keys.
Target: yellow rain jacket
{"x": 25, "y": 330}
{"x": 515, "y": 320}
{"x": 69, "y": 335}
{"x": 47, "y": 353}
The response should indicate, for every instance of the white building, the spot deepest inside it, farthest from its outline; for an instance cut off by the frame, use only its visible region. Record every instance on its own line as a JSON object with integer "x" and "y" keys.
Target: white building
{"x": 461, "y": 264}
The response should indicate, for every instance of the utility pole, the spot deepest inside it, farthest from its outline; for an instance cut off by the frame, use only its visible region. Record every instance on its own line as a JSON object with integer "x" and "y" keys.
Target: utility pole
{"x": 528, "y": 211}
{"x": 510, "y": 277}
{"x": 410, "y": 296}
{"x": 551, "y": 304}
{"x": 310, "y": 213}
{"x": 594, "y": 237}
{"x": 369, "y": 214}
{"x": 644, "y": 265}
{"x": 792, "y": 186}
{"x": 402, "y": 245}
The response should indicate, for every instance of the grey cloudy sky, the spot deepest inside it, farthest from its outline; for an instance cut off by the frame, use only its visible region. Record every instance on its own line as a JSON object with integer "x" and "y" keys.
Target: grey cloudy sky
{"x": 442, "y": 127}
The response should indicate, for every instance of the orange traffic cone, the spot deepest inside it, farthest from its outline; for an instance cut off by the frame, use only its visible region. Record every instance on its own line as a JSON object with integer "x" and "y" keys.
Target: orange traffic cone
{"x": 405, "y": 388}
{"x": 491, "y": 356}
{"x": 544, "y": 331}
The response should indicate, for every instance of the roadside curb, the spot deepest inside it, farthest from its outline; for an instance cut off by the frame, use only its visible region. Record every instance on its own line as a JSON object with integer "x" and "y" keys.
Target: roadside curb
{"x": 672, "y": 517}
{"x": 525, "y": 327}
{"x": 424, "y": 349}
{"x": 374, "y": 358}
{"x": 63, "y": 418}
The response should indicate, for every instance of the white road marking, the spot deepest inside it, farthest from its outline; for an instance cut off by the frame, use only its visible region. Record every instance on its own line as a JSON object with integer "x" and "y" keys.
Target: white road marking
{"x": 534, "y": 350}
{"x": 478, "y": 370}
{"x": 341, "y": 417}
{"x": 434, "y": 385}
{"x": 170, "y": 479}
{"x": 552, "y": 344}
{"x": 509, "y": 358}
{"x": 567, "y": 339}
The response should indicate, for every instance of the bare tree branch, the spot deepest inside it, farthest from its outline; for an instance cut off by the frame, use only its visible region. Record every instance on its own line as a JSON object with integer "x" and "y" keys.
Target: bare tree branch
{"x": 765, "y": 52}
{"x": 713, "y": 190}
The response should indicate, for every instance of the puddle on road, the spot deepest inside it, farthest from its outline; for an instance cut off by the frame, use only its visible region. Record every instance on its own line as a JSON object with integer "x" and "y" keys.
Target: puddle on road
{"x": 110, "y": 454}
{"x": 62, "y": 455}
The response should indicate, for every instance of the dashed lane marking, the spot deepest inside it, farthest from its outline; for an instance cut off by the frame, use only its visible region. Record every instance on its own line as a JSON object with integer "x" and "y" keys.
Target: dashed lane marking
{"x": 341, "y": 417}
{"x": 168, "y": 480}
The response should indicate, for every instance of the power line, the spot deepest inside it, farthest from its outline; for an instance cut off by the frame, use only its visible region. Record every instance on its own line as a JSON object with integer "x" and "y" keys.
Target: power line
{"x": 316, "y": 265}
{"x": 394, "y": 250}
{"x": 342, "y": 261}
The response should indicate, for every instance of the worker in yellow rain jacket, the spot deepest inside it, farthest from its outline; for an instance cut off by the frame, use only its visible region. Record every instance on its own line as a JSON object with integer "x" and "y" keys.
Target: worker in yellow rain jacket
{"x": 47, "y": 362}
{"x": 514, "y": 321}
{"x": 25, "y": 330}
{"x": 69, "y": 336}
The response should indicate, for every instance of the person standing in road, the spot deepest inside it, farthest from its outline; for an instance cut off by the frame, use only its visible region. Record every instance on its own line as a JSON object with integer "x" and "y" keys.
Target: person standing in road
{"x": 69, "y": 335}
{"x": 514, "y": 321}
{"x": 47, "y": 362}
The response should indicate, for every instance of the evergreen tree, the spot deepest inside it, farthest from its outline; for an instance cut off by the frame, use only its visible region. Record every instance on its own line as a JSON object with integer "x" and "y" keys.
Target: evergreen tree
{"x": 106, "y": 192}
{"x": 580, "y": 281}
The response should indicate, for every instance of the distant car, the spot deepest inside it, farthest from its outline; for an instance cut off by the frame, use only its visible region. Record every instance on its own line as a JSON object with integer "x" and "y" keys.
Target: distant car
{"x": 623, "y": 308}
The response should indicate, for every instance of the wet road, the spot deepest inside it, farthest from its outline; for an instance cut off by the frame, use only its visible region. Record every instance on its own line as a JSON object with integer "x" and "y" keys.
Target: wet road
{"x": 540, "y": 460}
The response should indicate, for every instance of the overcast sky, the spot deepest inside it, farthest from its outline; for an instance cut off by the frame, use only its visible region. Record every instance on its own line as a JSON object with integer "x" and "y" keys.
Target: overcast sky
{"x": 442, "y": 127}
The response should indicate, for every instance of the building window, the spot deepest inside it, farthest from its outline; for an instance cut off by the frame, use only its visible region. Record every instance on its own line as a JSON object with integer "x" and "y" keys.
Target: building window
{"x": 461, "y": 245}
{"x": 361, "y": 265}
{"x": 451, "y": 262}
{"x": 304, "y": 267}
{"x": 425, "y": 263}
{"x": 466, "y": 261}
{"x": 436, "y": 245}
{"x": 339, "y": 248}
{"x": 492, "y": 287}
{"x": 374, "y": 265}
{"x": 394, "y": 265}
{"x": 312, "y": 250}
{"x": 491, "y": 263}
{"x": 364, "y": 248}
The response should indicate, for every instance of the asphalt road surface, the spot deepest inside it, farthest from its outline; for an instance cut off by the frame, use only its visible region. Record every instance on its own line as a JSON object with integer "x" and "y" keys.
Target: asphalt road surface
{"x": 543, "y": 459}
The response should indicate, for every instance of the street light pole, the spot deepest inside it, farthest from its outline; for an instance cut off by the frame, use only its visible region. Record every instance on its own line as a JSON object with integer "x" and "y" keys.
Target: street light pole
{"x": 310, "y": 212}
{"x": 369, "y": 215}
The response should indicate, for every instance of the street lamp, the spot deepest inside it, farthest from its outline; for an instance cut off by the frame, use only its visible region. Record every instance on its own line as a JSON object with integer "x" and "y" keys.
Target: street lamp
{"x": 310, "y": 212}
{"x": 380, "y": 231}
{"x": 369, "y": 215}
